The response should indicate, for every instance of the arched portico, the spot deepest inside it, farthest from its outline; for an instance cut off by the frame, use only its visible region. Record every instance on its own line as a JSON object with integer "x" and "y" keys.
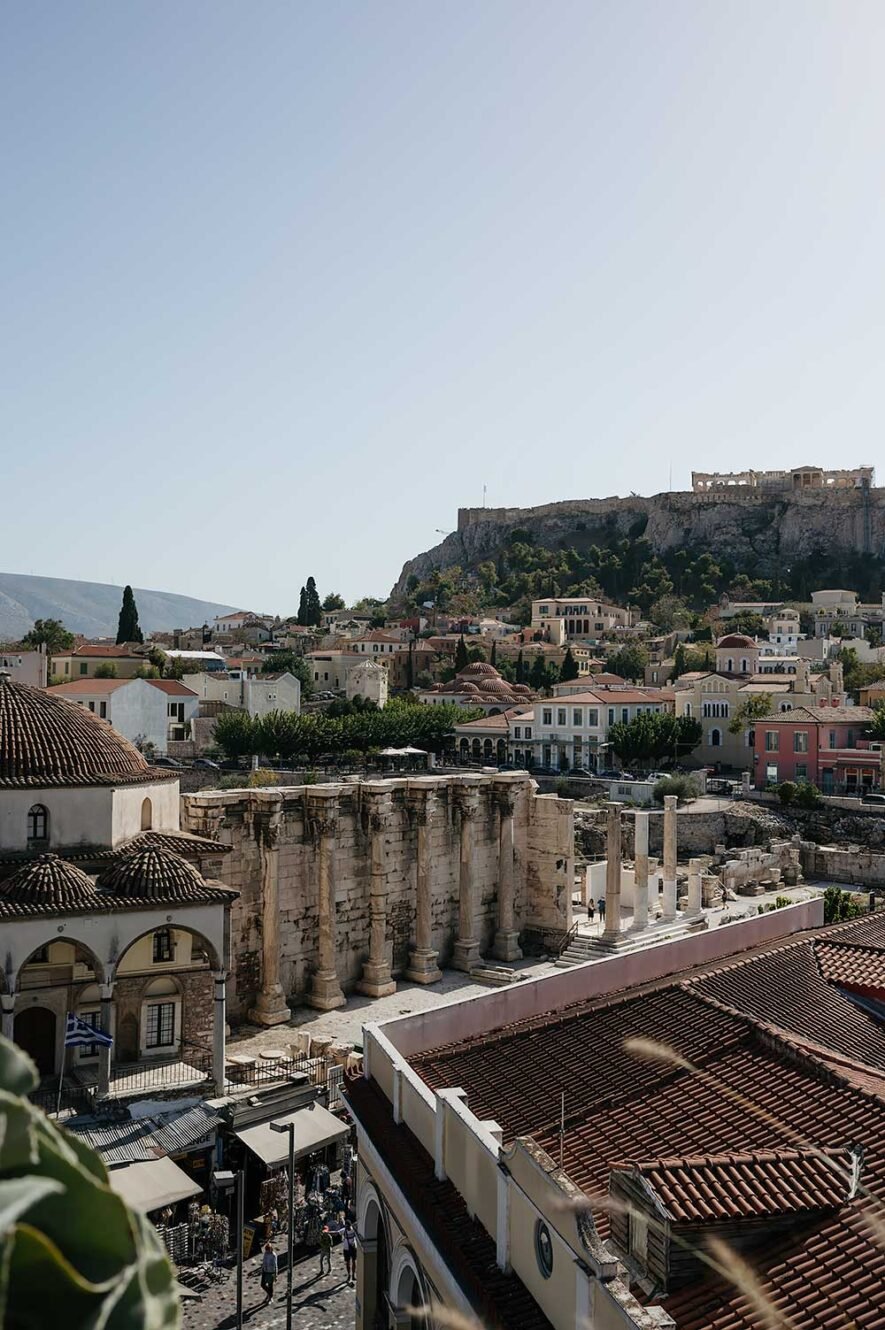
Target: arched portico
{"x": 372, "y": 1256}
{"x": 408, "y": 1293}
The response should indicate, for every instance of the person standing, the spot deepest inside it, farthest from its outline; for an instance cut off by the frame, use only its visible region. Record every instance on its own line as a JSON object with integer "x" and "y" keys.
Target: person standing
{"x": 326, "y": 1250}
{"x": 268, "y": 1271}
{"x": 600, "y": 905}
{"x": 348, "y": 1246}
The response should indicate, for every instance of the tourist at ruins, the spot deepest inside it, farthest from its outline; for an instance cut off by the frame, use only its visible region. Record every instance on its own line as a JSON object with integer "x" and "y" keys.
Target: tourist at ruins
{"x": 600, "y": 905}
{"x": 268, "y": 1271}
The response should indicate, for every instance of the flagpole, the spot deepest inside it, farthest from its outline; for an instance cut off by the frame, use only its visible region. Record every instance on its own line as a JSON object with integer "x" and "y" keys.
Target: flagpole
{"x": 61, "y": 1070}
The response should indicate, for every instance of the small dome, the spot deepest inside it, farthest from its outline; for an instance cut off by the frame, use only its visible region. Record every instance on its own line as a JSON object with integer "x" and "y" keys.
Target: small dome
{"x": 48, "y": 883}
{"x": 468, "y": 687}
{"x": 736, "y": 642}
{"x": 477, "y": 669}
{"x": 521, "y": 689}
{"x": 152, "y": 872}
{"x": 496, "y": 686}
{"x": 47, "y": 741}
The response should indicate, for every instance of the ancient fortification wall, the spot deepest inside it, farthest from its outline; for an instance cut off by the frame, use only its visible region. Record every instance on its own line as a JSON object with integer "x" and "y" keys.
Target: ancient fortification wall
{"x": 344, "y": 885}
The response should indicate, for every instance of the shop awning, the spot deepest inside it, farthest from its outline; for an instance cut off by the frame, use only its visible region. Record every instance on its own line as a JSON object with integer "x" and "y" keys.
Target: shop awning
{"x": 314, "y": 1128}
{"x": 150, "y": 1186}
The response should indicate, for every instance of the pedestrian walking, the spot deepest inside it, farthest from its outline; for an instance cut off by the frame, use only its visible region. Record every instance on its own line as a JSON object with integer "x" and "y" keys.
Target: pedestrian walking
{"x": 591, "y": 910}
{"x": 600, "y": 905}
{"x": 268, "y": 1271}
{"x": 348, "y": 1246}
{"x": 326, "y": 1250}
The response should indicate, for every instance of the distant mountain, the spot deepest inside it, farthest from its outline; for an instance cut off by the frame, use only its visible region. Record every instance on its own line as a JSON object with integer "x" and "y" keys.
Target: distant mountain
{"x": 92, "y": 608}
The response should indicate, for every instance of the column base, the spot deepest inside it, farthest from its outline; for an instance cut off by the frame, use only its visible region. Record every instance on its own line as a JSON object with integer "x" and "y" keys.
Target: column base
{"x": 376, "y": 981}
{"x": 466, "y": 955}
{"x": 668, "y": 902}
{"x": 325, "y": 992}
{"x": 423, "y": 968}
{"x": 270, "y": 1009}
{"x": 506, "y": 945}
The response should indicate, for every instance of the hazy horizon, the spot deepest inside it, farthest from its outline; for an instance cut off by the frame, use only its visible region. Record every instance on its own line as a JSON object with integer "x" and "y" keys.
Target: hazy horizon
{"x": 284, "y": 286}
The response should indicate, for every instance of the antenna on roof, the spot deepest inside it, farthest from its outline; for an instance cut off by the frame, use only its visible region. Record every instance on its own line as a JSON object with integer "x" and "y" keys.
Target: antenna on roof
{"x": 561, "y": 1126}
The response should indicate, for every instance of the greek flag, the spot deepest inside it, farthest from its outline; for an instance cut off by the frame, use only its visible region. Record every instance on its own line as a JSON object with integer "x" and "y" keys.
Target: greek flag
{"x": 79, "y": 1032}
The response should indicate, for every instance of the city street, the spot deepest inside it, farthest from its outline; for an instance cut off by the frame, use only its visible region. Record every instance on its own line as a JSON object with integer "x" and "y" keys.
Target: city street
{"x": 325, "y": 1303}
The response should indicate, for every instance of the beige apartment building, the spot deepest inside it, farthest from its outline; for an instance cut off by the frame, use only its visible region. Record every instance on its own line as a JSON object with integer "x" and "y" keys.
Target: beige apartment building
{"x": 561, "y": 618}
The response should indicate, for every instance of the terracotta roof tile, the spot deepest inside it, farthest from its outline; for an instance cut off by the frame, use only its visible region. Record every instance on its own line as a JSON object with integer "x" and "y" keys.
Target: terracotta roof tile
{"x": 861, "y": 969}
{"x": 710, "y": 1189}
{"x": 152, "y": 872}
{"x": 49, "y": 741}
{"x": 46, "y": 884}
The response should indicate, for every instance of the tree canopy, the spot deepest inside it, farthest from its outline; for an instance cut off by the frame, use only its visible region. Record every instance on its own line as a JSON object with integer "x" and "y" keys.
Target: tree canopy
{"x": 127, "y": 624}
{"x": 310, "y": 611}
{"x": 654, "y": 736}
{"x": 333, "y": 602}
{"x": 629, "y": 662}
{"x": 751, "y": 709}
{"x": 276, "y": 662}
{"x": 50, "y": 633}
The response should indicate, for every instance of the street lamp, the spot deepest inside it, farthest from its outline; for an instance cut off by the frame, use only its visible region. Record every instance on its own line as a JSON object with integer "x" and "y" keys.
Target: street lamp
{"x": 290, "y": 1128}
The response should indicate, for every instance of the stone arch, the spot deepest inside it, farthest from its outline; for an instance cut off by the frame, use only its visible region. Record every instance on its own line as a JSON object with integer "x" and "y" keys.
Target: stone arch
{"x": 407, "y": 1285}
{"x": 34, "y": 957}
{"x": 215, "y": 961}
{"x": 715, "y": 737}
{"x": 38, "y": 825}
{"x": 373, "y": 1254}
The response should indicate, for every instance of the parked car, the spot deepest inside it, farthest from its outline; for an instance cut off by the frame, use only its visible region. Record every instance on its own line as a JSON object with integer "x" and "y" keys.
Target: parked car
{"x": 609, "y": 774}
{"x": 872, "y": 797}
{"x": 166, "y": 762}
{"x": 206, "y": 764}
{"x": 583, "y": 772}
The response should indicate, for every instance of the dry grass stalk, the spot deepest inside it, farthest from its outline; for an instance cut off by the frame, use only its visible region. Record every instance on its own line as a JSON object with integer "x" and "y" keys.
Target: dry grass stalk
{"x": 447, "y": 1318}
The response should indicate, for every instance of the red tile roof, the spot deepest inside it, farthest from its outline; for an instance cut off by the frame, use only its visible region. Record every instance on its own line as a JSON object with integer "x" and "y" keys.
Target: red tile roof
{"x": 105, "y": 651}
{"x": 173, "y": 687}
{"x": 710, "y": 1189}
{"x": 747, "y": 1090}
{"x": 86, "y": 687}
{"x": 861, "y": 969}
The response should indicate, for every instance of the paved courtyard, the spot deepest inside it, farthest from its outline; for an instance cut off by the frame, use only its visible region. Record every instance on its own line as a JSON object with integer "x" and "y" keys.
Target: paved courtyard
{"x": 325, "y": 1303}
{"x": 346, "y": 1024}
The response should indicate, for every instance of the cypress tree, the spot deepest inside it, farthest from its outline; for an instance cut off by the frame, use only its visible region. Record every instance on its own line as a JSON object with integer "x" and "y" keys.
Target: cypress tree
{"x": 493, "y": 657}
{"x": 520, "y": 668}
{"x": 569, "y": 668}
{"x": 313, "y": 607}
{"x": 127, "y": 624}
{"x": 461, "y": 657}
{"x": 302, "y": 608}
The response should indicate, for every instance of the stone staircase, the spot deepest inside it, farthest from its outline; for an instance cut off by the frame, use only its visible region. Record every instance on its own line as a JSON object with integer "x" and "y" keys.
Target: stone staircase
{"x": 591, "y": 947}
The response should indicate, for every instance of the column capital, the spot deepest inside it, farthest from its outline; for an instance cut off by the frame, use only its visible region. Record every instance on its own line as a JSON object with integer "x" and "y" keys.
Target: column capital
{"x": 421, "y": 805}
{"x": 467, "y": 803}
{"x": 505, "y": 800}
{"x": 322, "y": 821}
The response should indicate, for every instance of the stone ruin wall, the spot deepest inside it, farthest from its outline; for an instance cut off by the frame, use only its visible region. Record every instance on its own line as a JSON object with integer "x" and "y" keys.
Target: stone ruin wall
{"x": 543, "y": 858}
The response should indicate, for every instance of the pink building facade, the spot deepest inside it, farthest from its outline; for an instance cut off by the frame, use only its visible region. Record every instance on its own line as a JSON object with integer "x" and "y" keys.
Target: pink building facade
{"x": 828, "y": 746}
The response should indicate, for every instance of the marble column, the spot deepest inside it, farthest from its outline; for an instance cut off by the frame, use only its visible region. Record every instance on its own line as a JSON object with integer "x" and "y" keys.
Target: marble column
{"x": 219, "y": 1028}
{"x": 669, "y": 913}
{"x": 423, "y": 968}
{"x": 612, "y": 871}
{"x": 654, "y": 894}
{"x": 105, "y": 1054}
{"x": 377, "y": 980}
{"x": 506, "y": 944}
{"x": 8, "y": 1001}
{"x": 640, "y": 872}
{"x": 270, "y": 1006}
{"x": 466, "y": 951}
{"x": 694, "y": 887}
{"x": 325, "y": 993}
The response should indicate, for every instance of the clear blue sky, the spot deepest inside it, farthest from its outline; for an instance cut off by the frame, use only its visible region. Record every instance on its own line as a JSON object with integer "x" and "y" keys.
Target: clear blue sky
{"x": 284, "y": 284}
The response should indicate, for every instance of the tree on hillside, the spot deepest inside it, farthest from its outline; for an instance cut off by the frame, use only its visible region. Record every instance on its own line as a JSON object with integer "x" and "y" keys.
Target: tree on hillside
{"x": 107, "y": 670}
{"x": 301, "y": 617}
{"x": 333, "y": 602}
{"x": 127, "y": 624}
{"x": 314, "y": 609}
{"x": 50, "y": 633}
{"x": 462, "y": 660}
{"x": 520, "y": 667}
{"x": 543, "y": 674}
{"x": 679, "y": 666}
{"x": 569, "y": 668}
{"x": 749, "y": 711}
{"x": 629, "y": 662}
{"x": 493, "y": 655}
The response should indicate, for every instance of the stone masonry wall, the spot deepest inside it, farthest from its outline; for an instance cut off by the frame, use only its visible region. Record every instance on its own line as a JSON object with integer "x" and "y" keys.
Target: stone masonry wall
{"x": 543, "y": 855}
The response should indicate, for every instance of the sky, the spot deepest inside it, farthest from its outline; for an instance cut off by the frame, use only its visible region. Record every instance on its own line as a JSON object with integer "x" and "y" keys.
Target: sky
{"x": 285, "y": 284}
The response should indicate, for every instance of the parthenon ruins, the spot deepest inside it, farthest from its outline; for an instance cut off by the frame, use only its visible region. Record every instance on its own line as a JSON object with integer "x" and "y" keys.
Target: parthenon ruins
{"x": 346, "y": 886}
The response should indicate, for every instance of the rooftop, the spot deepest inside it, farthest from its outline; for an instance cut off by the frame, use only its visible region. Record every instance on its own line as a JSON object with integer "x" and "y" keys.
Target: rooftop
{"x": 46, "y": 740}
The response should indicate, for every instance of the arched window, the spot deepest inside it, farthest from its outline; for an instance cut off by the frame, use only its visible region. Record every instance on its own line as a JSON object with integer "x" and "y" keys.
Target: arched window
{"x": 147, "y": 815}
{"x": 688, "y": 708}
{"x": 161, "y": 1017}
{"x": 38, "y": 823}
{"x": 729, "y": 665}
{"x": 715, "y": 737}
{"x": 743, "y": 665}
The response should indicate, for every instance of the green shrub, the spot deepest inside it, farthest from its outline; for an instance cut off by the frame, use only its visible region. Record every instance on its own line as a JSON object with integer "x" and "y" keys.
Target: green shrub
{"x": 838, "y": 905}
{"x": 682, "y": 786}
{"x": 807, "y": 795}
{"x": 560, "y": 785}
{"x": 787, "y": 791}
